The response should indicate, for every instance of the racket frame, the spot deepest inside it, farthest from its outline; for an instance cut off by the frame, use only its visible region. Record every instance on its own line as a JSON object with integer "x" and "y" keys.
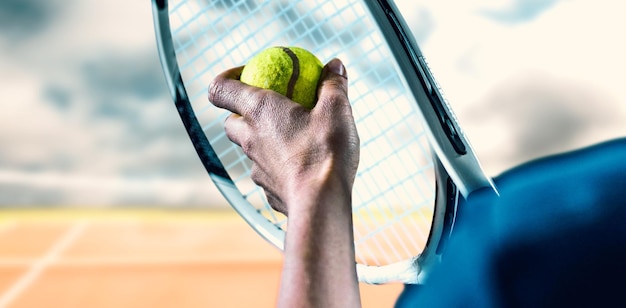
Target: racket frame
{"x": 205, "y": 151}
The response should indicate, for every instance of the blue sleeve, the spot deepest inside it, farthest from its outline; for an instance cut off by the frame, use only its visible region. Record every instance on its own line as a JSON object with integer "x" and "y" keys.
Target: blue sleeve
{"x": 556, "y": 236}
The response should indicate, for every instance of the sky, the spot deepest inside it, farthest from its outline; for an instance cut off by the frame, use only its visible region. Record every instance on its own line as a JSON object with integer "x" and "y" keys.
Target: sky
{"x": 87, "y": 120}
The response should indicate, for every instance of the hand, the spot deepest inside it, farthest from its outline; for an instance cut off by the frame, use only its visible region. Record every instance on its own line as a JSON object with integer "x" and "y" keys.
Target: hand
{"x": 295, "y": 151}
{"x": 306, "y": 161}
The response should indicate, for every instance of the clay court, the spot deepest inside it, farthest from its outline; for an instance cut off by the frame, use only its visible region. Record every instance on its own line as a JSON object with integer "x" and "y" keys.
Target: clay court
{"x": 69, "y": 258}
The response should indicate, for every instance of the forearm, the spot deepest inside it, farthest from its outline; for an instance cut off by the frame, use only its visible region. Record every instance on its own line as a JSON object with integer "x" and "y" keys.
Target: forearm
{"x": 319, "y": 266}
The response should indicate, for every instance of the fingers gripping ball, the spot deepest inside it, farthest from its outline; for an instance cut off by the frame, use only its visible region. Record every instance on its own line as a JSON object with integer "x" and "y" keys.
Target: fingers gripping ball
{"x": 290, "y": 71}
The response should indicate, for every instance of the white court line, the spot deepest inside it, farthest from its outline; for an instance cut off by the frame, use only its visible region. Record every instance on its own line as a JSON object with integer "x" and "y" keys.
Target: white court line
{"x": 35, "y": 270}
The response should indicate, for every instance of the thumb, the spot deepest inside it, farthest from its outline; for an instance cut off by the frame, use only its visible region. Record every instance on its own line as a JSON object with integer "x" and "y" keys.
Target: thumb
{"x": 333, "y": 85}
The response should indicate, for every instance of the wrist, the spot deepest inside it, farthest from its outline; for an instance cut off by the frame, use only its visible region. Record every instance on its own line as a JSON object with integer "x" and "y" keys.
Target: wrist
{"x": 331, "y": 196}
{"x": 311, "y": 190}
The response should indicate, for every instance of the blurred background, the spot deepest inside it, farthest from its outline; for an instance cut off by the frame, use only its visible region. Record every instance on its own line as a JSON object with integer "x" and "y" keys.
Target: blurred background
{"x": 87, "y": 121}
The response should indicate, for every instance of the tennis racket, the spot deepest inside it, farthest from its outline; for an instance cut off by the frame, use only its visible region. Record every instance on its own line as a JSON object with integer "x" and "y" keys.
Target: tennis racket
{"x": 415, "y": 162}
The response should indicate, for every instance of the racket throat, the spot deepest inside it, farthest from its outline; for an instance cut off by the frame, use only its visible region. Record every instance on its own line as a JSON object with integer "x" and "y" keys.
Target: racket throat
{"x": 444, "y": 218}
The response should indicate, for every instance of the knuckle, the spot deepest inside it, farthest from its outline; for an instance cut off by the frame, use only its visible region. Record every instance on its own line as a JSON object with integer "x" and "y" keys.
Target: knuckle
{"x": 262, "y": 100}
{"x": 337, "y": 87}
{"x": 247, "y": 145}
{"x": 215, "y": 89}
{"x": 335, "y": 102}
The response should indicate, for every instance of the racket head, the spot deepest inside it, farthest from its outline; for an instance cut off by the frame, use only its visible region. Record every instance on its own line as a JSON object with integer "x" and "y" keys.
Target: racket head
{"x": 410, "y": 176}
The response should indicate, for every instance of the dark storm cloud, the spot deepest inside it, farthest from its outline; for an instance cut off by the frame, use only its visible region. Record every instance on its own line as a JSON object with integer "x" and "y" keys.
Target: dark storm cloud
{"x": 124, "y": 104}
{"x": 542, "y": 114}
{"x": 91, "y": 121}
{"x": 115, "y": 86}
{"x": 520, "y": 11}
{"x": 122, "y": 74}
{"x": 59, "y": 96}
{"x": 129, "y": 89}
{"x": 23, "y": 19}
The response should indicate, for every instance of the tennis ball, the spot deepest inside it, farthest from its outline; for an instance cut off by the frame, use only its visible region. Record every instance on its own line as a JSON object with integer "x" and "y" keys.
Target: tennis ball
{"x": 290, "y": 71}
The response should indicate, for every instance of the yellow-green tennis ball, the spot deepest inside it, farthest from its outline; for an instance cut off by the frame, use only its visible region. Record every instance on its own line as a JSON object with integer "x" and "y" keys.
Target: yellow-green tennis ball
{"x": 290, "y": 71}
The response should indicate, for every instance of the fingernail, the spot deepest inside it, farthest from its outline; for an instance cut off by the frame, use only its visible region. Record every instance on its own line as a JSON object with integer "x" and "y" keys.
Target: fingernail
{"x": 335, "y": 66}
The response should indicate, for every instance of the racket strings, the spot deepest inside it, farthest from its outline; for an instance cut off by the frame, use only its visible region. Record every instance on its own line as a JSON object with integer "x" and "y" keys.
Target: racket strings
{"x": 393, "y": 194}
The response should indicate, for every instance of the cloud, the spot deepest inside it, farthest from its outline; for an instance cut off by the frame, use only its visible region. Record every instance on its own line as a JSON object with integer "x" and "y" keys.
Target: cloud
{"x": 518, "y": 11}
{"x": 23, "y": 19}
{"x": 124, "y": 73}
{"x": 422, "y": 23}
{"x": 535, "y": 114}
{"x": 18, "y": 195}
{"x": 90, "y": 138}
{"x": 90, "y": 119}
{"x": 54, "y": 188}
{"x": 510, "y": 86}
{"x": 420, "y": 20}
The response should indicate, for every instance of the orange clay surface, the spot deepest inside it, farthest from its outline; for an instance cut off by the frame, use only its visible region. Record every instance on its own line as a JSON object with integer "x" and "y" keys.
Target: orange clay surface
{"x": 141, "y": 258}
